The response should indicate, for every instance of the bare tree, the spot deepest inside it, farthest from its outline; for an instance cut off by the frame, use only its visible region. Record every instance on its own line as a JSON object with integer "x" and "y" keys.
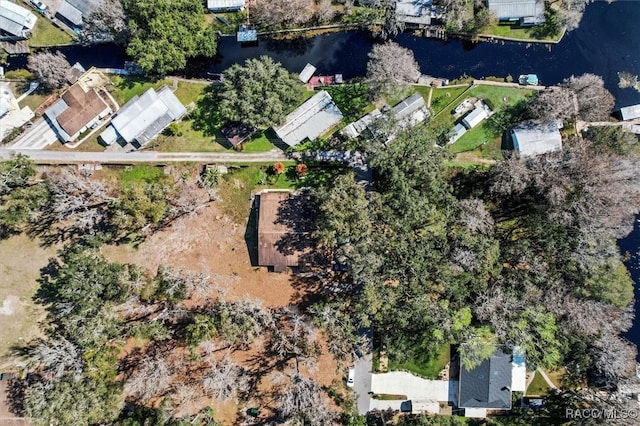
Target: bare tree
{"x": 475, "y": 216}
{"x": 275, "y": 13}
{"x": 56, "y": 357}
{"x": 571, "y": 12}
{"x": 225, "y": 379}
{"x": 105, "y": 21}
{"x": 151, "y": 377}
{"x": 594, "y": 101}
{"x": 49, "y": 68}
{"x": 614, "y": 357}
{"x": 390, "y": 68}
{"x": 554, "y": 104}
{"x": 302, "y": 402}
{"x": 77, "y": 201}
{"x": 325, "y": 11}
{"x": 293, "y": 337}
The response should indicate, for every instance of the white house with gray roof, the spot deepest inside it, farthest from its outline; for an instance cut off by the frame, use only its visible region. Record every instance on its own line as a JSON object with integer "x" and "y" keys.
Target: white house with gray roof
{"x": 487, "y": 386}
{"x": 531, "y": 138}
{"x": 15, "y": 20}
{"x": 527, "y": 12}
{"x": 411, "y": 110}
{"x": 225, "y": 5}
{"x": 144, "y": 117}
{"x": 310, "y": 120}
{"x": 630, "y": 112}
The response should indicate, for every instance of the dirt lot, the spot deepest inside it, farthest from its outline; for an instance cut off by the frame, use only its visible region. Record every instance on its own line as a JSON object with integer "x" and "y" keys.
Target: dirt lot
{"x": 211, "y": 243}
{"x": 20, "y": 261}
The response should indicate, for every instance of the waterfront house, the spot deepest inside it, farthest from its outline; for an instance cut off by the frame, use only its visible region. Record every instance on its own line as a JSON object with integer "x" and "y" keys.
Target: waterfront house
{"x": 225, "y": 5}
{"x": 531, "y": 138}
{"x": 283, "y": 229}
{"x": 79, "y": 109}
{"x": 414, "y": 12}
{"x": 15, "y": 21}
{"x": 631, "y": 112}
{"x": 487, "y": 386}
{"x": 524, "y": 12}
{"x": 310, "y": 120}
{"x": 71, "y": 12}
{"x": 144, "y": 117}
{"x": 411, "y": 111}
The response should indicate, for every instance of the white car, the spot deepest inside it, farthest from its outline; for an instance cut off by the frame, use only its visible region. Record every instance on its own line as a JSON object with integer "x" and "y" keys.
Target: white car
{"x": 39, "y": 5}
{"x": 350, "y": 377}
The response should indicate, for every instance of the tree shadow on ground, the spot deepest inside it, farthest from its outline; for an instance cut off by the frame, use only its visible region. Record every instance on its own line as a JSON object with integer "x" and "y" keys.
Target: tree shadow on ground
{"x": 207, "y": 116}
{"x": 251, "y": 232}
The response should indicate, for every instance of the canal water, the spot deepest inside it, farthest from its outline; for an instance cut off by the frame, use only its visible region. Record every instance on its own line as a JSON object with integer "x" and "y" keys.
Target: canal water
{"x": 607, "y": 42}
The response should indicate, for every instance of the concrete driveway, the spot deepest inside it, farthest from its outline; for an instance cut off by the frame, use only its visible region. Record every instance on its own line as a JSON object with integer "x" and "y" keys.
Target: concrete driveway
{"x": 39, "y": 136}
{"x": 415, "y": 388}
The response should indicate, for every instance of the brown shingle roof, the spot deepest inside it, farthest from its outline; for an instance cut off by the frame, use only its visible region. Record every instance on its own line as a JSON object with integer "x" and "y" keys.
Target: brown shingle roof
{"x": 282, "y": 229}
{"x": 83, "y": 107}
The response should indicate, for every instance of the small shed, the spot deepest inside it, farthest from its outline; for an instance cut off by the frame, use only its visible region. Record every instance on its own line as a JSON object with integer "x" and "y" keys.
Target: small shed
{"x": 307, "y": 73}
{"x": 457, "y": 132}
{"x": 236, "y": 133}
{"x": 246, "y": 34}
{"x": 477, "y": 115}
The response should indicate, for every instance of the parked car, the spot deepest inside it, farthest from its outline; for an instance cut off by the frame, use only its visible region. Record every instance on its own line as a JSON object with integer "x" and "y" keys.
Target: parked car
{"x": 350, "y": 377}
{"x": 39, "y": 5}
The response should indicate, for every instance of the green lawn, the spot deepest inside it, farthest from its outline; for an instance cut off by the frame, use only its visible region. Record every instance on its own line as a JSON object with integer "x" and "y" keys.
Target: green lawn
{"x": 140, "y": 173}
{"x": 429, "y": 367}
{"x": 46, "y": 34}
{"x": 259, "y": 143}
{"x": 352, "y": 99}
{"x": 236, "y": 187}
{"x": 517, "y": 32}
{"x": 125, "y": 88}
{"x": 538, "y": 386}
{"x": 444, "y": 96}
{"x": 34, "y": 100}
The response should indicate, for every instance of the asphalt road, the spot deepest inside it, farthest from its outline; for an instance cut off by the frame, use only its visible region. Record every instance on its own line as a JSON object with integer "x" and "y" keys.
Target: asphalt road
{"x": 77, "y": 157}
{"x": 362, "y": 382}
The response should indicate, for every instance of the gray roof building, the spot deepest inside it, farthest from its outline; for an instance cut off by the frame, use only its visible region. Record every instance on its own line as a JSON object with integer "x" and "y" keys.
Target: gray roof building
{"x": 353, "y": 130}
{"x": 477, "y": 115}
{"x": 488, "y": 385}
{"x": 72, "y": 11}
{"x": 225, "y": 5}
{"x": 412, "y": 108}
{"x": 414, "y": 11}
{"x": 531, "y": 138}
{"x": 630, "y": 113}
{"x": 457, "y": 132}
{"x": 144, "y": 117}
{"x": 307, "y": 73}
{"x": 310, "y": 120}
{"x": 15, "y": 20}
{"x": 513, "y": 10}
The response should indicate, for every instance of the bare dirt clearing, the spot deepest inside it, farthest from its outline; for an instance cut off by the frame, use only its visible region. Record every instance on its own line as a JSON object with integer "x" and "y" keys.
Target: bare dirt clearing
{"x": 20, "y": 262}
{"x": 211, "y": 243}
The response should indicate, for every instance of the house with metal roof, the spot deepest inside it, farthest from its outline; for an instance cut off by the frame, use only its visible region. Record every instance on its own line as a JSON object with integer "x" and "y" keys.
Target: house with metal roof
{"x": 631, "y": 112}
{"x": 487, "y": 386}
{"x": 76, "y": 111}
{"x": 411, "y": 111}
{"x": 416, "y": 12}
{"x": 477, "y": 115}
{"x": 71, "y": 11}
{"x": 15, "y": 20}
{"x": 144, "y": 117}
{"x": 310, "y": 120}
{"x": 283, "y": 229}
{"x": 225, "y": 5}
{"x": 531, "y": 138}
{"x": 353, "y": 130}
{"x": 527, "y": 12}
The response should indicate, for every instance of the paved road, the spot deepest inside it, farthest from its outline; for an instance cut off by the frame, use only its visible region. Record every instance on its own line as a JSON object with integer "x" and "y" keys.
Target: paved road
{"x": 39, "y": 136}
{"x": 362, "y": 382}
{"x": 66, "y": 157}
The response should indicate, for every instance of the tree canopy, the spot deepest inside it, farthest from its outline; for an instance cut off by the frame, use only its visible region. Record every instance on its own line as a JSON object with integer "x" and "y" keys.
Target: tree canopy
{"x": 390, "y": 68}
{"x": 165, "y": 33}
{"x": 259, "y": 93}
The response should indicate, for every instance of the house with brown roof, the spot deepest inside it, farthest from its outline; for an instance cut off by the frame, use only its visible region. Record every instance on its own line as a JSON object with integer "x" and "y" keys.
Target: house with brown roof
{"x": 283, "y": 229}
{"x": 75, "y": 112}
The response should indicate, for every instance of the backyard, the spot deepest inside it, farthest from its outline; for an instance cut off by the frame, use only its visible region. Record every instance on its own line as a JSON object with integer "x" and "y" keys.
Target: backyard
{"x": 46, "y": 34}
{"x": 427, "y": 367}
